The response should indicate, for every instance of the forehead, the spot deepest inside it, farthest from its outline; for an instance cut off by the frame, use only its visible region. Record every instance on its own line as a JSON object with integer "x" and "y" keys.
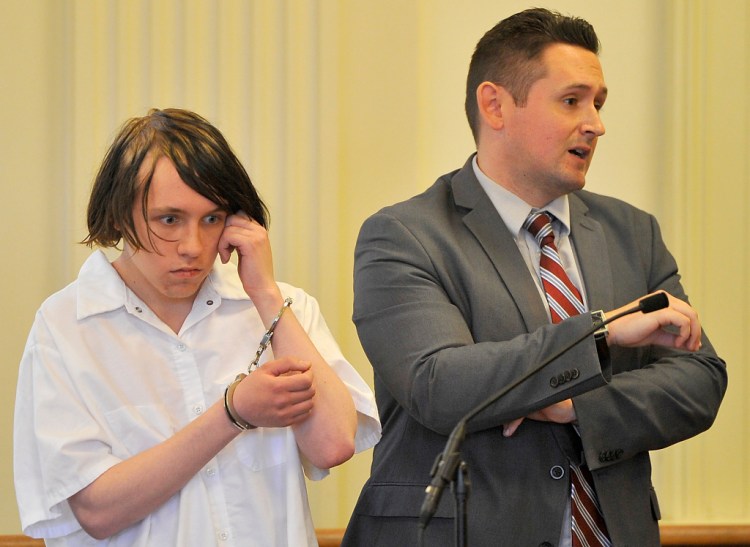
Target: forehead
{"x": 167, "y": 189}
{"x": 568, "y": 65}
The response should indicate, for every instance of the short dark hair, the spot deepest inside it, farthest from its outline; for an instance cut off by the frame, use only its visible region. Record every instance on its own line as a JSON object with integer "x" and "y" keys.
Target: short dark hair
{"x": 509, "y": 53}
{"x": 200, "y": 153}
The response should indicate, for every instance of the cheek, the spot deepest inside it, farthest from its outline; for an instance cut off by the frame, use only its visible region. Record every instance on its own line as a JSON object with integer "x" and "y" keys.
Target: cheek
{"x": 151, "y": 263}
{"x": 212, "y": 239}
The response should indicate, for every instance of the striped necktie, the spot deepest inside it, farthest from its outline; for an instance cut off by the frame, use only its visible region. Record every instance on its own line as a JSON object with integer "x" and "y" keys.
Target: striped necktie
{"x": 564, "y": 299}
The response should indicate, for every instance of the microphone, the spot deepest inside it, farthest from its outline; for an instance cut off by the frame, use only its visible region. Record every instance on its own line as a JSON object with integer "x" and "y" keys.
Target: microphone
{"x": 651, "y": 303}
{"x": 446, "y": 463}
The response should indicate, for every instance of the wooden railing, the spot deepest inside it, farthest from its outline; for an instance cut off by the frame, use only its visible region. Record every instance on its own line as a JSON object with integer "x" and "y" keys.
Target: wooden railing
{"x": 705, "y": 535}
{"x": 672, "y": 535}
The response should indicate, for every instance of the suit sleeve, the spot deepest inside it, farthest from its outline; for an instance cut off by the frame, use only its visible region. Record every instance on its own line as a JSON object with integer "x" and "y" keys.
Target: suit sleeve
{"x": 416, "y": 320}
{"x": 657, "y": 396}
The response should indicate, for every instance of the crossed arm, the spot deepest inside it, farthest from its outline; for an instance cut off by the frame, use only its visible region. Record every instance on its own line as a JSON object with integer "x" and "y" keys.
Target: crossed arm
{"x": 676, "y": 326}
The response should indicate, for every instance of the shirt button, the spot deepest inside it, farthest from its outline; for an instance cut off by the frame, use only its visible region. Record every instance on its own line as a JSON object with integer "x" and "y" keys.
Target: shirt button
{"x": 198, "y": 409}
{"x": 223, "y": 536}
{"x": 181, "y": 347}
{"x": 211, "y": 471}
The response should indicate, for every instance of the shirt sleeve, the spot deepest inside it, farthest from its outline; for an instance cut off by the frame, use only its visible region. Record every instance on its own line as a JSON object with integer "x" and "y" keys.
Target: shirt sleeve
{"x": 368, "y": 423}
{"x": 56, "y": 451}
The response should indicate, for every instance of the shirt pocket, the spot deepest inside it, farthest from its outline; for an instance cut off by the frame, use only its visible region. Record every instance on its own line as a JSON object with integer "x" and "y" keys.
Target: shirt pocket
{"x": 264, "y": 447}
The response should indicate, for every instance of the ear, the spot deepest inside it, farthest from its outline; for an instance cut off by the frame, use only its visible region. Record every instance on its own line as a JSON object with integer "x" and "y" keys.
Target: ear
{"x": 492, "y": 101}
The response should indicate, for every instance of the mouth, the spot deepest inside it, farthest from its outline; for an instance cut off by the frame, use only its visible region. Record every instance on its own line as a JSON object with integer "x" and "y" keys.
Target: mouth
{"x": 186, "y": 273}
{"x": 580, "y": 152}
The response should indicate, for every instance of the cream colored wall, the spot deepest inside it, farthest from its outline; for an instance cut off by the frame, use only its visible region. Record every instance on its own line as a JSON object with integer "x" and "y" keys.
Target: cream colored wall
{"x": 338, "y": 107}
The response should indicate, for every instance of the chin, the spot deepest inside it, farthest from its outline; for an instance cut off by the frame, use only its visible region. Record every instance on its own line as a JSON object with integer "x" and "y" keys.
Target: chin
{"x": 182, "y": 292}
{"x": 576, "y": 183}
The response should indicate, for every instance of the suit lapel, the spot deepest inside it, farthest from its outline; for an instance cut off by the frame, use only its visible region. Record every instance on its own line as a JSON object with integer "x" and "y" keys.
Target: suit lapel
{"x": 483, "y": 221}
{"x": 588, "y": 241}
{"x": 587, "y": 236}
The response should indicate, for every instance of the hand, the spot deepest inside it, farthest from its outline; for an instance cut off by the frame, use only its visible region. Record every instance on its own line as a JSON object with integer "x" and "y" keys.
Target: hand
{"x": 560, "y": 413}
{"x": 255, "y": 261}
{"x": 675, "y": 326}
{"x": 278, "y": 394}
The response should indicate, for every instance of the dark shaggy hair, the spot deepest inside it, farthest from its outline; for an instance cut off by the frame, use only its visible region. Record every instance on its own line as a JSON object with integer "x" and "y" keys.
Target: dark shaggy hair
{"x": 199, "y": 152}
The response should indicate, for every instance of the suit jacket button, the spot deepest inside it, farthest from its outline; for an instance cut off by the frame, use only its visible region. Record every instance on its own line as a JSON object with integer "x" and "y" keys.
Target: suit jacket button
{"x": 574, "y": 373}
{"x": 568, "y": 375}
{"x": 557, "y": 472}
{"x": 553, "y": 381}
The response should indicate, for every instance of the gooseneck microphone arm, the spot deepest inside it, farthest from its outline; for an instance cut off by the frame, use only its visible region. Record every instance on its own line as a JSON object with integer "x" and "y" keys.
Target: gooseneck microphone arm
{"x": 444, "y": 469}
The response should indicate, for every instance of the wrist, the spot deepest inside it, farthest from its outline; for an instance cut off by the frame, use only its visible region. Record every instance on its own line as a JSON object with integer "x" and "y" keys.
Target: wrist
{"x": 600, "y": 336}
{"x": 267, "y": 302}
{"x": 234, "y": 417}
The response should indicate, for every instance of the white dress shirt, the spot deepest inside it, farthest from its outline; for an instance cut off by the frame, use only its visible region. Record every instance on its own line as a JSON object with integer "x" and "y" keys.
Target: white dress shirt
{"x": 102, "y": 379}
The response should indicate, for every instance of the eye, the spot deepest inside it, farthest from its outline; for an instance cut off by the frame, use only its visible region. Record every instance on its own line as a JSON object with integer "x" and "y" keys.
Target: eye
{"x": 214, "y": 219}
{"x": 570, "y": 101}
{"x": 168, "y": 220}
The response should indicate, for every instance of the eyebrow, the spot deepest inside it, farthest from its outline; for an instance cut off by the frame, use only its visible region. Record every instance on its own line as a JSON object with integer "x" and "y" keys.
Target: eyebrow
{"x": 586, "y": 87}
{"x": 175, "y": 210}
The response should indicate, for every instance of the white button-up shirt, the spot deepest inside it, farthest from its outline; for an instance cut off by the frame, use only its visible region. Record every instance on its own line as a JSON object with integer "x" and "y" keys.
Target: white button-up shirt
{"x": 102, "y": 379}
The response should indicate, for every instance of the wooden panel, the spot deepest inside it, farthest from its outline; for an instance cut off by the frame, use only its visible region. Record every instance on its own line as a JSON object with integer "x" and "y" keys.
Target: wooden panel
{"x": 20, "y": 541}
{"x": 673, "y": 535}
{"x": 705, "y": 535}
{"x": 329, "y": 537}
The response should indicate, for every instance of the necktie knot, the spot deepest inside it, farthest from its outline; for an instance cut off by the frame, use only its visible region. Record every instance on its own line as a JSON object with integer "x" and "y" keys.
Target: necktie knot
{"x": 539, "y": 225}
{"x": 563, "y": 297}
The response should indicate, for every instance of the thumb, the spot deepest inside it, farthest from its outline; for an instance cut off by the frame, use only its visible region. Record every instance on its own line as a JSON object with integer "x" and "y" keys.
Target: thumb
{"x": 225, "y": 252}
{"x": 510, "y": 428}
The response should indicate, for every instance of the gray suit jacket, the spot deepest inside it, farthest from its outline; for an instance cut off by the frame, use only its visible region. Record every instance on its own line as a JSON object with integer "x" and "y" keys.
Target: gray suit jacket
{"x": 448, "y": 314}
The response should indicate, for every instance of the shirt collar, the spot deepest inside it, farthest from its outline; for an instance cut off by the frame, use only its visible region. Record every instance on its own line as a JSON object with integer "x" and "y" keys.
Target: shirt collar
{"x": 513, "y": 210}
{"x": 101, "y": 289}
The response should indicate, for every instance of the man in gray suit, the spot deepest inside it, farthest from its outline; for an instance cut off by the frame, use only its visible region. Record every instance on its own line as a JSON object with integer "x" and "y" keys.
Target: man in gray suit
{"x": 450, "y": 309}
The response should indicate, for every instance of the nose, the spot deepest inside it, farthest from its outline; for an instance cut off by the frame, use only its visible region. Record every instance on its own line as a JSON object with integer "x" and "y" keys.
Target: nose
{"x": 191, "y": 241}
{"x": 593, "y": 124}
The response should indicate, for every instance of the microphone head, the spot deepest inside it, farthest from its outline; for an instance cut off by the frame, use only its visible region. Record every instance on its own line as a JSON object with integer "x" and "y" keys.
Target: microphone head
{"x": 654, "y": 302}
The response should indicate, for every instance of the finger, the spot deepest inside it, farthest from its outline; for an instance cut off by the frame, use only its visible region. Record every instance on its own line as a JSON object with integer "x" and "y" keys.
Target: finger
{"x": 511, "y": 427}
{"x": 684, "y": 335}
{"x": 690, "y": 336}
{"x": 282, "y": 366}
{"x": 225, "y": 247}
{"x": 300, "y": 413}
{"x": 225, "y": 250}
{"x": 675, "y": 323}
{"x": 240, "y": 218}
{"x": 294, "y": 398}
{"x": 694, "y": 343}
{"x": 291, "y": 408}
{"x": 295, "y": 381}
